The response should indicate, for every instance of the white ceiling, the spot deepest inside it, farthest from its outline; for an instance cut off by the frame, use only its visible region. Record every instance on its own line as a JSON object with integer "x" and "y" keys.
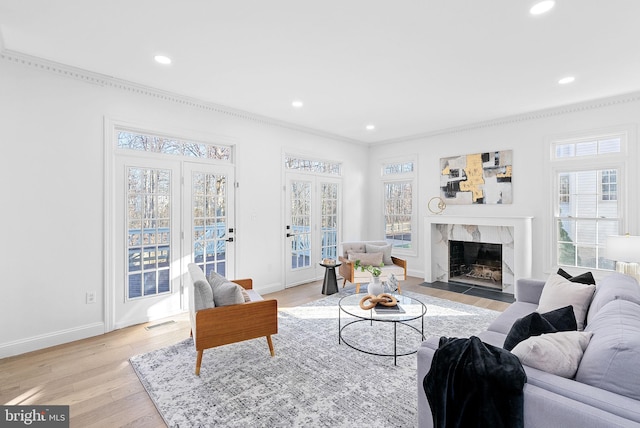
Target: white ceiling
{"x": 411, "y": 67}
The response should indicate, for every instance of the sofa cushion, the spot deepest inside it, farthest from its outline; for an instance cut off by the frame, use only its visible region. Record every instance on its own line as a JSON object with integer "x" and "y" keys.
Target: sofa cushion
{"x": 225, "y": 292}
{"x": 352, "y": 247}
{"x": 384, "y": 249}
{"x": 203, "y": 295}
{"x": 585, "y": 278}
{"x": 559, "y": 292}
{"x": 535, "y": 324}
{"x": 611, "y": 287}
{"x": 611, "y": 360}
{"x": 202, "y": 292}
{"x": 504, "y": 322}
{"x": 373, "y": 259}
{"x": 556, "y": 353}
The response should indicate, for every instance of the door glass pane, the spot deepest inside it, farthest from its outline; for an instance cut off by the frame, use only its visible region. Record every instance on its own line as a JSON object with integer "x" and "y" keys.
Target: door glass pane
{"x": 300, "y": 196}
{"x": 149, "y": 218}
{"x": 210, "y": 221}
{"x": 329, "y": 201}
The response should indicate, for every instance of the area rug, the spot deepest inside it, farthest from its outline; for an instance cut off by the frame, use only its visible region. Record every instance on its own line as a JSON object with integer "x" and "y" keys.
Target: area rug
{"x": 313, "y": 381}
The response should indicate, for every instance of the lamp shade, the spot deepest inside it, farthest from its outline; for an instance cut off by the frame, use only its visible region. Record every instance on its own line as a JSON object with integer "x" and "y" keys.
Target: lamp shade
{"x": 623, "y": 248}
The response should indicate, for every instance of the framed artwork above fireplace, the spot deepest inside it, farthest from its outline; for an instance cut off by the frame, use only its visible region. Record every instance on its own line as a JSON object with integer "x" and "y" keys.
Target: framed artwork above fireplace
{"x": 480, "y": 178}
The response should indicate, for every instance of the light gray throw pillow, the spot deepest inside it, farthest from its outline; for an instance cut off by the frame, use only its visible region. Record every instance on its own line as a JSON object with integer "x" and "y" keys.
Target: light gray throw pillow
{"x": 384, "y": 249}
{"x": 225, "y": 292}
{"x": 373, "y": 259}
{"x": 556, "y": 353}
{"x": 228, "y": 293}
{"x": 559, "y": 292}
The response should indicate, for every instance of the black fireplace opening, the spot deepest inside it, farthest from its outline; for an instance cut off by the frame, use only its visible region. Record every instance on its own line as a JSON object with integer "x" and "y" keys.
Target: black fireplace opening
{"x": 476, "y": 263}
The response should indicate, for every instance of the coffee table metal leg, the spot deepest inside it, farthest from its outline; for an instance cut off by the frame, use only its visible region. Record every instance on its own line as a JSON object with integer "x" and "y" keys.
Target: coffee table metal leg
{"x": 339, "y": 331}
{"x": 395, "y": 344}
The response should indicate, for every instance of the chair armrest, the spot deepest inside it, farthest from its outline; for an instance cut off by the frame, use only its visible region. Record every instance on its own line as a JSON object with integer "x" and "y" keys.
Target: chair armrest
{"x": 246, "y": 283}
{"x": 529, "y": 290}
{"x": 399, "y": 262}
{"x": 346, "y": 268}
{"x": 234, "y": 323}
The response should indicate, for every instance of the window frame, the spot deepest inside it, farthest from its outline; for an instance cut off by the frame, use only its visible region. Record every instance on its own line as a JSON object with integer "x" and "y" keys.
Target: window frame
{"x": 399, "y": 177}
{"x": 623, "y": 162}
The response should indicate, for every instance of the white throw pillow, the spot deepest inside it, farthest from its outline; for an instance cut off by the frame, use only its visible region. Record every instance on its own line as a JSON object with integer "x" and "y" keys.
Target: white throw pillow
{"x": 556, "y": 353}
{"x": 559, "y": 292}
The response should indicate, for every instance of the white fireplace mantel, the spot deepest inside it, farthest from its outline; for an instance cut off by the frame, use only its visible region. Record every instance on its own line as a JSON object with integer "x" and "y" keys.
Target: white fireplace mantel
{"x": 514, "y": 233}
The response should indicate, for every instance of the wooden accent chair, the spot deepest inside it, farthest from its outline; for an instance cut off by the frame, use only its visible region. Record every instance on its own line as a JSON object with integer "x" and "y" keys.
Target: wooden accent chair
{"x": 352, "y": 251}
{"x": 213, "y": 326}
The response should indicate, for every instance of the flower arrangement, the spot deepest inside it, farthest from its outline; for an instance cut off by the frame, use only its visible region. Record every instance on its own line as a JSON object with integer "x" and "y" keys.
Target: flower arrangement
{"x": 374, "y": 270}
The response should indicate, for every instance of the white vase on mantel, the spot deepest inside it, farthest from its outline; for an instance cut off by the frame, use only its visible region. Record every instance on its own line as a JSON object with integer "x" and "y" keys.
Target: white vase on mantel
{"x": 375, "y": 287}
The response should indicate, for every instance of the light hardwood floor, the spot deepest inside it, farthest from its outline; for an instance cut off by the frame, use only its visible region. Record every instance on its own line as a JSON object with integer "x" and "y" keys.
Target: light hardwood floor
{"x": 95, "y": 378}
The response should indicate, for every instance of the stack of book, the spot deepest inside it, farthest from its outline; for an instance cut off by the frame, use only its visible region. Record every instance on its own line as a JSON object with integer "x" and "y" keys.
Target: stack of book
{"x": 382, "y": 309}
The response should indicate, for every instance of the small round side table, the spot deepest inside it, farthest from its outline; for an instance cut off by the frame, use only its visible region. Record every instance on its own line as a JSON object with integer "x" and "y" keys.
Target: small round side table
{"x": 330, "y": 283}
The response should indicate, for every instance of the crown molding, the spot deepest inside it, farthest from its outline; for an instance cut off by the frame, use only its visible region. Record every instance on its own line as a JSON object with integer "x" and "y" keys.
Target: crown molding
{"x": 131, "y": 87}
{"x": 534, "y": 115}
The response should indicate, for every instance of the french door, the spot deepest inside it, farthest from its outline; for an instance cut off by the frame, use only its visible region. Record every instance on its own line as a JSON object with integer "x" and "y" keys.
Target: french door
{"x": 168, "y": 214}
{"x": 313, "y": 212}
{"x": 210, "y": 240}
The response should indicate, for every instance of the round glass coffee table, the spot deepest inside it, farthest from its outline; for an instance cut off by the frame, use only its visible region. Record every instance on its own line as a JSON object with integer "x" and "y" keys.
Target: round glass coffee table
{"x": 410, "y": 309}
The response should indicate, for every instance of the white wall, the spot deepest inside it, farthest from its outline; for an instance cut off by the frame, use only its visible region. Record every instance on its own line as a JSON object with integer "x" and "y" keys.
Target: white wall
{"x": 52, "y": 182}
{"x": 52, "y": 179}
{"x": 528, "y": 138}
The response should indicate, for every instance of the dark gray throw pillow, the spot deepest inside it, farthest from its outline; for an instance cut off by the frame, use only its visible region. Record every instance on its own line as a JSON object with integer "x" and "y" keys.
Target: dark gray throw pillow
{"x": 584, "y": 278}
{"x": 535, "y": 324}
{"x": 563, "y": 319}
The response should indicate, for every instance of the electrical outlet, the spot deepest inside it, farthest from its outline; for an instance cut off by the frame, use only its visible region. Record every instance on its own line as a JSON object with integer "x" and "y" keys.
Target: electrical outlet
{"x": 91, "y": 296}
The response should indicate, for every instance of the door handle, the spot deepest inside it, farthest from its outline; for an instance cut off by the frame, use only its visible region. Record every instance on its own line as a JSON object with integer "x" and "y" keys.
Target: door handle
{"x": 230, "y": 239}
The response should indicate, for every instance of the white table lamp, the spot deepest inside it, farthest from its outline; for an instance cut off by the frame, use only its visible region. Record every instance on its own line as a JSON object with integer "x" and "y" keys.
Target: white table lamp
{"x": 625, "y": 251}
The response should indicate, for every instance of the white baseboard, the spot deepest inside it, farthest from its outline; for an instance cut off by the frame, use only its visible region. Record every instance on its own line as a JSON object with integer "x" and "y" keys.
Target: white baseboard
{"x": 415, "y": 273}
{"x": 35, "y": 343}
{"x": 269, "y": 288}
{"x": 127, "y": 322}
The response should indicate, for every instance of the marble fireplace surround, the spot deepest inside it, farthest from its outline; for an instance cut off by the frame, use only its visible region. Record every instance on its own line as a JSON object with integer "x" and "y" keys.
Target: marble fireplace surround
{"x": 514, "y": 233}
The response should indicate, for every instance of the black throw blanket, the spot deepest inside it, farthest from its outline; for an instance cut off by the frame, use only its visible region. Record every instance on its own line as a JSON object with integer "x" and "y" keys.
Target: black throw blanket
{"x": 474, "y": 384}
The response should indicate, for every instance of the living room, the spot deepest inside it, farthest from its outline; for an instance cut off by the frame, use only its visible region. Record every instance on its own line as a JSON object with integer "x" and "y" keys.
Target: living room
{"x": 58, "y": 121}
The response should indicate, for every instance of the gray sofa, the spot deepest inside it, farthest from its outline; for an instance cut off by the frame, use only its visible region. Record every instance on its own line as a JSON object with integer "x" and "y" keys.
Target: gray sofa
{"x": 605, "y": 391}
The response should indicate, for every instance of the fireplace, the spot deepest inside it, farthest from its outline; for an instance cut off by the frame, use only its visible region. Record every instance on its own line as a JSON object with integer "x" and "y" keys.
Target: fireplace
{"x": 476, "y": 263}
{"x": 513, "y": 234}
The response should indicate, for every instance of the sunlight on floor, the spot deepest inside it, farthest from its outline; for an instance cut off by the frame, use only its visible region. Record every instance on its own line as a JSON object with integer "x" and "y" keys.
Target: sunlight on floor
{"x": 28, "y": 397}
{"x": 312, "y": 312}
{"x": 331, "y": 311}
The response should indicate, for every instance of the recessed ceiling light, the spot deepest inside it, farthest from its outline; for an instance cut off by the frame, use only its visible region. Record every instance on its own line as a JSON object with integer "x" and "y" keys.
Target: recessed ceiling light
{"x": 370, "y": 127}
{"x": 297, "y": 104}
{"x": 162, "y": 59}
{"x": 542, "y": 7}
{"x": 566, "y": 80}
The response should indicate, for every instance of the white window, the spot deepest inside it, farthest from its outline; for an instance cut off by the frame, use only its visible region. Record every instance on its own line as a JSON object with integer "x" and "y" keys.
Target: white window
{"x": 588, "y": 199}
{"x": 399, "y": 187}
